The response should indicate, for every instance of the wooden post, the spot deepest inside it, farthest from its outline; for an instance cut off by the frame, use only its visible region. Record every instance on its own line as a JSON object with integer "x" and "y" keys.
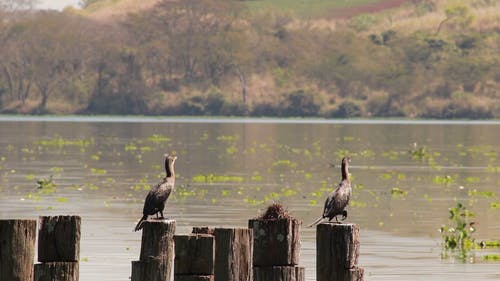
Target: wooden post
{"x": 233, "y": 254}
{"x": 276, "y": 249}
{"x": 17, "y": 249}
{"x": 337, "y": 252}
{"x": 157, "y": 252}
{"x": 194, "y": 254}
{"x": 59, "y": 239}
{"x": 49, "y": 271}
{"x": 279, "y": 273}
{"x": 151, "y": 270}
{"x": 203, "y": 230}
{"x": 58, "y": 248}
{"x": 194, "y": 278}
{"x": 276, "y": 241}
{"x": 194, "y": 257}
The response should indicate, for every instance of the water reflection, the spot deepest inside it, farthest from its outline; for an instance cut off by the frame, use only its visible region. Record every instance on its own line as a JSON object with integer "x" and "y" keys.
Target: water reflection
{"x": 105, "y": 178}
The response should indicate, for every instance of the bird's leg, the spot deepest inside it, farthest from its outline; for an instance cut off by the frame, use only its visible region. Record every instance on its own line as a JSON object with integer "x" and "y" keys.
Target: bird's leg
{"x": 336, "y": 219}
{"x": 344, "y": 215}
{"x": 162, "y": 217}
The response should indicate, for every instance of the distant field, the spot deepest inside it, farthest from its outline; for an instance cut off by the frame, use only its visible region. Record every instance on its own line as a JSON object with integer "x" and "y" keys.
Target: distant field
{"x": 300, "y": 8}
{"x": 322, "y": 8}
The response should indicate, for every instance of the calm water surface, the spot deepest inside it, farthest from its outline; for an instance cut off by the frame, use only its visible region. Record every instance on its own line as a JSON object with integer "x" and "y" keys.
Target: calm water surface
{"x": 230, "y": 170}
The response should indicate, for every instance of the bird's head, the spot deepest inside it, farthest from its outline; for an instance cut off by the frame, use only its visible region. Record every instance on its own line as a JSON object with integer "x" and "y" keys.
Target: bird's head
{"x": 171, "y": 158}
{"x": 346, "y": 160}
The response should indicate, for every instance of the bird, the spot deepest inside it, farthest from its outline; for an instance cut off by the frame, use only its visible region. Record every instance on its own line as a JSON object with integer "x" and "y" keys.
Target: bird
{"x": 158, "y": 195}
{"x": 339, "y": 198}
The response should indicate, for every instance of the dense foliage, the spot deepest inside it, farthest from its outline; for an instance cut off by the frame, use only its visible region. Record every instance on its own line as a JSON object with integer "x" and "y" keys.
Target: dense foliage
{"x": 212, "y": 57}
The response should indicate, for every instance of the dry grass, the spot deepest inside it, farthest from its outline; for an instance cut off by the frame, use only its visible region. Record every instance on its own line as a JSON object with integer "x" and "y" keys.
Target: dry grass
{"x": 116, "y": 9}
{"x": 405, "y": 21}
{"x": 275, "y": 211}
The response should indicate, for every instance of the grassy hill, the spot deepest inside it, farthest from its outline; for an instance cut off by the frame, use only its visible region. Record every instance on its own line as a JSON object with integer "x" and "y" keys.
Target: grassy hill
{"x": 310, "y": 9}
{"x": 427, "y": 58}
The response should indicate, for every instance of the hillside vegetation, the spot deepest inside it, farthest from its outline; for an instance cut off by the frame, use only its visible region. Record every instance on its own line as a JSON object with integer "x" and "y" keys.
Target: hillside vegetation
{"x": 393, "y": 58}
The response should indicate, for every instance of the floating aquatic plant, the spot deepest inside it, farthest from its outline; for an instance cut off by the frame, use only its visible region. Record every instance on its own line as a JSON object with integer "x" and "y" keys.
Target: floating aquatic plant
{"x": 487, "y": 194}
{"x": 495, "y": 205}
{"x": 96, "y": 171}
{"x": 418, "y": 153}
{"x": 231, "y": 149}
{"x": 58, "y": 141}
{"x": 398, "y": 192}
{"x": 458, "y": 237}
{"x": 62, "y": 199}
{"x": 156, "y": 138}
{"x": 392, "y": 155}
{"x": 444, "y": 179}
{"x": 228, "y": 138}
{"x": 357, "y": 204}
{"x": 56, "y": 169}
{"x": 490, "y": 244}
{"x": 211, "y": 178}
{"x": 47, "y": 185}
{"x": 492, "y": 257}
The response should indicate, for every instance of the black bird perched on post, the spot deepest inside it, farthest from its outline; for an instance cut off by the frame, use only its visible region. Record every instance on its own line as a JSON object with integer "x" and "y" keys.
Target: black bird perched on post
{"x": 158, "y": 195}
{"x": 339, "y": 198}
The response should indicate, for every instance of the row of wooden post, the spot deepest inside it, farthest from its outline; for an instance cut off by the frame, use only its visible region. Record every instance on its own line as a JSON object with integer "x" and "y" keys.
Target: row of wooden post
{"x": 268, "y": 250}
{"x": 58, "y": 249}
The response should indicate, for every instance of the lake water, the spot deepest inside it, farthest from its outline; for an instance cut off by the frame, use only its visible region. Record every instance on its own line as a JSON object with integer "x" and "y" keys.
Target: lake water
{"x": 229, "y": 170}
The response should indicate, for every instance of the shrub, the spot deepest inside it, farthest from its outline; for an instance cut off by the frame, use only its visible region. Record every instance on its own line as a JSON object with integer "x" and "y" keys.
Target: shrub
{"x": 300, "y": 103}
{"x": 346, "y": 109}
{"x": 383, "y": 105}
{"x": 266, "y": 109}
{"x": 461, "y": 106}
{"x": 235, "y": 109}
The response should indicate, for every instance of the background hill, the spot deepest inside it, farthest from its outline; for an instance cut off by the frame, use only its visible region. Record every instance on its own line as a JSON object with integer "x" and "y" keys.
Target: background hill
{"x": 360, "y": 58}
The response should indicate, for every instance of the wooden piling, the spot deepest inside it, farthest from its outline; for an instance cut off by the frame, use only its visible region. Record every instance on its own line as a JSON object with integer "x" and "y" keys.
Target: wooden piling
{"x": 50, "y": 271}
{"x": 151, "y": 270}
{"x": 59, "y": 239}
{"x": 337, "y": 252}
{"x": 276, "y": 249}
{"x": 156, "y": 261}
{"x": 17, "y": 249}
{"x": 194, "y": 277}
{"x": 279, "y": 273}
{"x": 58, "y": 248}
{"x": 194, "y": 254}
{"x": 233, "y": 254}
{"x": 203, "y": 230}
{"x": 276, "y": 241}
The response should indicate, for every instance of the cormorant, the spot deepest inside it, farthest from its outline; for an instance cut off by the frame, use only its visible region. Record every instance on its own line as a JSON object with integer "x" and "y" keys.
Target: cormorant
{"x": 339, "y": 198}
{"x": 158, "y": 195}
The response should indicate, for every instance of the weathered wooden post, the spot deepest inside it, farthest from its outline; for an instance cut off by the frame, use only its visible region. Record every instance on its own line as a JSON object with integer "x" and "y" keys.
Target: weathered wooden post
{"x": 337, "y": 252}
{"x": 157, "y": 252}
{"x": 233, "y": 254}
{"x": 194, "y": 257}
{"x": 17, "y": 249}
{"x": 276, "y": 246}
{"x": 58, "y": 248}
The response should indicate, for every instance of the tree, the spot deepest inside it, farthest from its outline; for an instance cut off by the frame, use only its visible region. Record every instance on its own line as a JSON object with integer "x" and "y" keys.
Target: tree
{"x": 17, "y": 5}
{"x": 459, "y": 14}
{"x": 56, "y": 51}
{"x": 200, "y": 35}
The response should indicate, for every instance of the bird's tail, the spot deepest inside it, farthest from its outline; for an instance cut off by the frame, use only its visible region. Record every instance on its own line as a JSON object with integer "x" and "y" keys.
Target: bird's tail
{"x": 139, "y": 224}
{"x": 316, "y": 222}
